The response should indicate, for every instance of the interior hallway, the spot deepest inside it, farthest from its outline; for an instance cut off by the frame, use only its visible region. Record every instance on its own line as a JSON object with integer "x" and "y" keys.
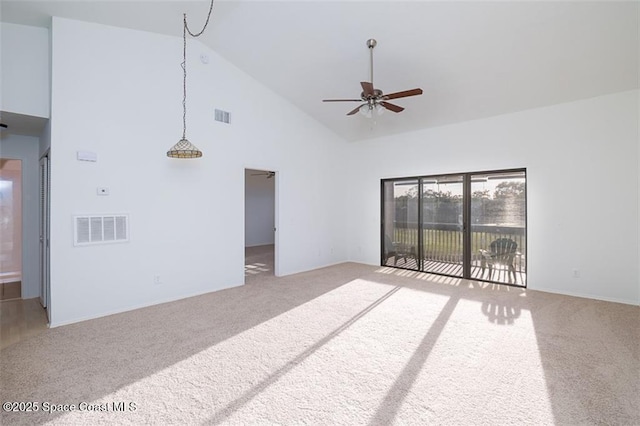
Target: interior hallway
{"x": 259, "y": 263}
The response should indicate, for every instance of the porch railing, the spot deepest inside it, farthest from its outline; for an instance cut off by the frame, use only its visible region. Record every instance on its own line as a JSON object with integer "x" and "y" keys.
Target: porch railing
{"x": 442, "y": 242}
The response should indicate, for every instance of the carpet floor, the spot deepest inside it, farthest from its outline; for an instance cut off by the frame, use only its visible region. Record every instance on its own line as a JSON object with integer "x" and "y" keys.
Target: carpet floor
{"x": 346, "y": 345}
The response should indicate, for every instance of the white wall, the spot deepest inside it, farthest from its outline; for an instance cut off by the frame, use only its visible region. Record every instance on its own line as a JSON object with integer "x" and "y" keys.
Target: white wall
{"x": 25, "y": 148}
{"x": 25, "y": 69}
{"x": 259, "y": 209}
{"x": 582, "y": 181}
{"x": 118, "y": 93}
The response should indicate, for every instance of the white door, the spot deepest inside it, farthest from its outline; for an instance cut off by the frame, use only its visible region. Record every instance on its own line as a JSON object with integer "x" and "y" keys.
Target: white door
{"x": 44, "y": 232}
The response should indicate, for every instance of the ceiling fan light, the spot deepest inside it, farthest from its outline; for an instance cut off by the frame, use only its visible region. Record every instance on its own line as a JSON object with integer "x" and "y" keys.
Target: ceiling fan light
{"x": 380, "y": 109}
{"x": 366, "y": 110}
{"x": 184, "y": 149}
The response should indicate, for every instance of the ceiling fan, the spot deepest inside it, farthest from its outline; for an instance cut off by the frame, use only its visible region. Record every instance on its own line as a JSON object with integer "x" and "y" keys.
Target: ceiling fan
{"x": 374, "y": 99}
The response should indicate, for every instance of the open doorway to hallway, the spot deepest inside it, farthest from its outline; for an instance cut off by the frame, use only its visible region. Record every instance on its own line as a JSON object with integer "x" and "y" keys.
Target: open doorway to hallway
{"x": 21, "y": 313}
{"x": 259, "y": 225}
{"x": 10, "y": 229}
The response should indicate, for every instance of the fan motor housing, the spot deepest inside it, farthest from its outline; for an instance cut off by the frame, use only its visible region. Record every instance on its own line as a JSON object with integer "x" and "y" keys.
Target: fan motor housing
{"x": 376, "y": 94}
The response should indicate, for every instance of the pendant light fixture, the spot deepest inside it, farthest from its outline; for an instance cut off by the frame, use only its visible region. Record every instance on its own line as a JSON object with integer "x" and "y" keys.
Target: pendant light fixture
{"x": 184, "y": 148}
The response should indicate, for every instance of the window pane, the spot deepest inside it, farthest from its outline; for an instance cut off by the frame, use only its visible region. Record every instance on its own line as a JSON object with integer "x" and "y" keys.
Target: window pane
{"x": 400, "y": 215}
{"x": 442, "y": 214}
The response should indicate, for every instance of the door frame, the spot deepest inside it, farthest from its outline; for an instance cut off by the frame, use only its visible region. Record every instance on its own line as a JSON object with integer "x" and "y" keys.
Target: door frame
{"x": 44, "y": 168}
{"x": 276, "y": 213}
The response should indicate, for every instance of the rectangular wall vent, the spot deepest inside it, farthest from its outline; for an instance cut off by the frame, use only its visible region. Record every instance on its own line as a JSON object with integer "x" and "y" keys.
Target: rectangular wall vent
{"x": 223, "y": 116}
{"x": 100, "y": 229}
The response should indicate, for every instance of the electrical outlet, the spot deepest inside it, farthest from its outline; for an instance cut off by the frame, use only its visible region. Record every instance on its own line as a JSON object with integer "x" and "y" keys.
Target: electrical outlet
{"x": 576, "y": 273}
{"x": 102, "y": 191}
{"x": 156, "y": 279}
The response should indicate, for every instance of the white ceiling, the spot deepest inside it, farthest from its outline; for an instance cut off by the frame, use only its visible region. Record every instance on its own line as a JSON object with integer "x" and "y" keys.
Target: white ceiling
{"x": 472, "y": 59}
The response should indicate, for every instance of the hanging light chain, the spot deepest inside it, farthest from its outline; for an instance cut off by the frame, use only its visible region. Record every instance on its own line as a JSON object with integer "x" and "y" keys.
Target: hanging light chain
{"x": 185, "y": 30}
{"x": 184, "y": 78}
{"x": 205, "y": 23}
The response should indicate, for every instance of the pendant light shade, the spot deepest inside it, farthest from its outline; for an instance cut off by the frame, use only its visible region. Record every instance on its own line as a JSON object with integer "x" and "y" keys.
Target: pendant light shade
{"x": 184, "y": 149}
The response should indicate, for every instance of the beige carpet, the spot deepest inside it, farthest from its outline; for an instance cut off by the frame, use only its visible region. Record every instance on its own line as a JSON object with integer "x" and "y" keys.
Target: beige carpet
{"x": 347, "y": 345}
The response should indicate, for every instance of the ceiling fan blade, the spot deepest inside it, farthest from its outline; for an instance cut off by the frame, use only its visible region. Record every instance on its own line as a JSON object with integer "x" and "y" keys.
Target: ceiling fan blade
{"x": 354, "y": 111}
{"x": 404, "y": 94}
{"x": 392, "y": 107}
{"x": 269, "y": 175}
{"x": 342, "y": 100}
{"x": 367, "y": 88}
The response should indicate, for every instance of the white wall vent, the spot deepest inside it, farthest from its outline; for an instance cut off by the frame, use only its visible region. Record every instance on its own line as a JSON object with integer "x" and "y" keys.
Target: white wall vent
{"x": 100, "y": 229}
{"x": 223, "y": 116}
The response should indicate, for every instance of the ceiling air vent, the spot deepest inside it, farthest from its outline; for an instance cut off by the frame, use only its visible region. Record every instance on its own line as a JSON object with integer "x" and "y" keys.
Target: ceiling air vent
{"x": 100, "y": 229}
{"x": 223, "y": 116}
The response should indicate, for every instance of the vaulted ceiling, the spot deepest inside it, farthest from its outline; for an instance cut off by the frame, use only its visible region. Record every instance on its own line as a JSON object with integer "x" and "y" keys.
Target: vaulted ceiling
{"x": 472, "y": 59}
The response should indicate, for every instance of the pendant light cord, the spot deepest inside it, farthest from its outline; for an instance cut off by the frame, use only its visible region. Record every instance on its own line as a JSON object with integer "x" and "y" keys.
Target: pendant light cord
{"x": 185, "y": 30}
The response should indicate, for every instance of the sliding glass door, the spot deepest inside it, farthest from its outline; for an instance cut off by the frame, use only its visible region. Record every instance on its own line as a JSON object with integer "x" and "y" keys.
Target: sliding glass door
{"x": 498, "y": 227}
{"x": 442, "y": 224}
{"x": 469, "y": 225}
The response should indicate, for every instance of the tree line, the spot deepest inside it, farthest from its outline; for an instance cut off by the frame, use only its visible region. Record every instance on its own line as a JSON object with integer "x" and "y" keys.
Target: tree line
{"x": 506, "y": 206}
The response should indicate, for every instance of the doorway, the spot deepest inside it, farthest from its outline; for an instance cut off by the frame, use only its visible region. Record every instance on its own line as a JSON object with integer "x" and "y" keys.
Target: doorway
{"x": 10, "y": 229}
{"x": 466, "y": 225}
{"x": 260, "y": 220}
